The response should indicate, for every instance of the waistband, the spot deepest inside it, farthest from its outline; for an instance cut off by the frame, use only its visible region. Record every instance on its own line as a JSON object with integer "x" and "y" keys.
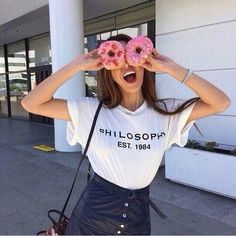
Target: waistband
{"x": 142, "y": 193}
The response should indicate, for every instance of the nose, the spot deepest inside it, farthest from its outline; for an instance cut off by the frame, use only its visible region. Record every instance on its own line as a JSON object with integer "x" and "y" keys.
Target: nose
{"x": 125, "y": 66}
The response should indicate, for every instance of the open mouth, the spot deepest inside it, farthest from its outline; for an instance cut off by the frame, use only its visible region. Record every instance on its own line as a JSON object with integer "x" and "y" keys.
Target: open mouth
{"x": 130, "y": 77}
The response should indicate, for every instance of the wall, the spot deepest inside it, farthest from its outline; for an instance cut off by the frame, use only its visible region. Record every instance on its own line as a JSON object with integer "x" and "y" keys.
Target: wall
{"x": 200, "y": 35}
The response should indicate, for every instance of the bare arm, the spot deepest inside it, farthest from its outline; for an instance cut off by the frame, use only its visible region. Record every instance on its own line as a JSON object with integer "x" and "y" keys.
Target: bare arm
{"x": 40, "y": 100}
{"x": 212, "y": 99}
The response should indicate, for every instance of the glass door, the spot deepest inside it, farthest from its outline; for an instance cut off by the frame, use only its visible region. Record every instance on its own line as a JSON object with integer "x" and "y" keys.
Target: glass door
{"x": 17, "y": 78}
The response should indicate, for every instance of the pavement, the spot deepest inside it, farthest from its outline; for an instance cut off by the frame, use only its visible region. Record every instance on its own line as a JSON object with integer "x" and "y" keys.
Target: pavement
{"x": 33, "y": 181}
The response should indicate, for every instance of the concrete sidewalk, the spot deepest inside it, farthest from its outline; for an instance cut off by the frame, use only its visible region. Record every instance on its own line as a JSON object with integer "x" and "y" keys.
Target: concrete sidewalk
{"x": 32, "y": 182}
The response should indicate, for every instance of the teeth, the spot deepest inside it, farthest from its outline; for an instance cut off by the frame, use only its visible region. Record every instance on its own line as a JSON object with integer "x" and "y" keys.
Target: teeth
{"x": 129, "y": 73}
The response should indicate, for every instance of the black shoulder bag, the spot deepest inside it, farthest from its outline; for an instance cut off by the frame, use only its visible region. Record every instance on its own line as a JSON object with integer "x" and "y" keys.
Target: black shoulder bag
{"x": 59, "y": 227}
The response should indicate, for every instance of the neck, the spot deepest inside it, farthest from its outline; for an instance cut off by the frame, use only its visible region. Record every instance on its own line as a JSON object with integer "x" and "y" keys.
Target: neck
{"x": 132, "y": 102}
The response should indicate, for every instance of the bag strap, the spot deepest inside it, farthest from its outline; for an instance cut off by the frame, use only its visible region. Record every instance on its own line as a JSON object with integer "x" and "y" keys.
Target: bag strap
{"x": 89, "y": 172}
{"x": 83, "y": 156}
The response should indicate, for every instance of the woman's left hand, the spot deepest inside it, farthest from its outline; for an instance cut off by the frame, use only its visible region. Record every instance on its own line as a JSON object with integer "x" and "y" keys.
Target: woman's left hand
{"x": 157, "y": 62}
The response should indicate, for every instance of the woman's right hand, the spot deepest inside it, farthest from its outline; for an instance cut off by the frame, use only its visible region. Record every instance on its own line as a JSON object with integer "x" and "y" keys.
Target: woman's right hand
{"x": 90, "y": 61}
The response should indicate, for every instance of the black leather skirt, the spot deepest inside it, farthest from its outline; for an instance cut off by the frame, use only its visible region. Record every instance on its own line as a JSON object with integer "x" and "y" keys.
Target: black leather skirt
{"x": 107, "y": 209}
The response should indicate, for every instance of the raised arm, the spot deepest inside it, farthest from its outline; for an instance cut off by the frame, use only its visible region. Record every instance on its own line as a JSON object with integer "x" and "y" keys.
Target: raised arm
{"x": 212, "y": 99}
{"x": 40, "y": 100}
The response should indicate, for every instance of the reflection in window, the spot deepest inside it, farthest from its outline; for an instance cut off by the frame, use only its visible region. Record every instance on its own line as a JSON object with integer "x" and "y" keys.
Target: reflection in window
{"x": 16, "y": 56}
{"x": 134, "y": 30}
{"x": 18, "y": 88}
{"x": 17, "y": 78}
{"x": 3, "y": 89}
{"x": 39, "y": 51}
{"x": 104, "y": 36}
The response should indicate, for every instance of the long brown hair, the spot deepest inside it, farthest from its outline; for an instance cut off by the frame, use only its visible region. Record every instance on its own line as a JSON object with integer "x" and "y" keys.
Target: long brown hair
{"x": 110, "y": 93}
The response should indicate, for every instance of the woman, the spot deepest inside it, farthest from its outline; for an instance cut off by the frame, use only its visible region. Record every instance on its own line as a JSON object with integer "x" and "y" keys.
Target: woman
{"x": 132, "y": 132}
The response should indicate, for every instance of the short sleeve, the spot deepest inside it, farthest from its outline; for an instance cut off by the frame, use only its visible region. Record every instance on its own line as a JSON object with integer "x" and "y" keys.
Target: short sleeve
{"x": 177, "y": 132}
{"x": 72, "y": 127}
{"x": 81, "y": 112}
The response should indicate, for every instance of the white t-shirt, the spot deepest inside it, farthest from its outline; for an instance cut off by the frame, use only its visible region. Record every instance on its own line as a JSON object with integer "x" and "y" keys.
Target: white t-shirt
{"x": 127, "y": 147}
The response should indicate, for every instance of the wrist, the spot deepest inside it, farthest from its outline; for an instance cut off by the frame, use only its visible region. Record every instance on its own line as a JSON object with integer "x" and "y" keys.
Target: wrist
{"x": 75, "y": 66}
{"x": 177, "y": 71}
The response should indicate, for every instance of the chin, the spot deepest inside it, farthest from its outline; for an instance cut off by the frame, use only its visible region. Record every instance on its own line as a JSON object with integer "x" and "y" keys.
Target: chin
{"x": 132, "y": 88}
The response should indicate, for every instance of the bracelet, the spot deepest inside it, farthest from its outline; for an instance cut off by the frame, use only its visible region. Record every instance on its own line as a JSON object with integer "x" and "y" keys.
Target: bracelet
{"x": 186, "y": 77}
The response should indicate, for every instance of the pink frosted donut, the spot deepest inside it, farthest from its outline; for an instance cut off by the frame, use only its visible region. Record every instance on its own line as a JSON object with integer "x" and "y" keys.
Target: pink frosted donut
{"x": 112, "y": 54}
{"x": 137, "y": 49}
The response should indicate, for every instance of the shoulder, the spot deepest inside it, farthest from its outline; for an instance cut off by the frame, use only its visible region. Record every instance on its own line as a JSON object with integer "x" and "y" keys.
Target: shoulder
{"x": 84, "y": 101}
{"x": 83, "y": 105}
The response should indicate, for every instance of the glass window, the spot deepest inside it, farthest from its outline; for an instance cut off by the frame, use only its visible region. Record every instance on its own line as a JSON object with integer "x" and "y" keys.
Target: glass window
{"x": 16, "y": 56}
{"x": 39, "y": 51}
{"x": 17, "y": 78}
{"x": 2, "y": 61}
{"x": 3, "y": 90}
{"x": 134, "y": 31}
{"x": 104, "y": 36}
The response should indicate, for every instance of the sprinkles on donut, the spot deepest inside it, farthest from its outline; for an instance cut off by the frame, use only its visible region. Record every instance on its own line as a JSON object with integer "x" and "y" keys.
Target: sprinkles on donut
{"x": 112, "y": 54}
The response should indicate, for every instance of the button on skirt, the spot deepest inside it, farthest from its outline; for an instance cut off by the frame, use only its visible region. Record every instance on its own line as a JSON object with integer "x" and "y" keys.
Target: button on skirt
{"x": 108, "y": 209}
